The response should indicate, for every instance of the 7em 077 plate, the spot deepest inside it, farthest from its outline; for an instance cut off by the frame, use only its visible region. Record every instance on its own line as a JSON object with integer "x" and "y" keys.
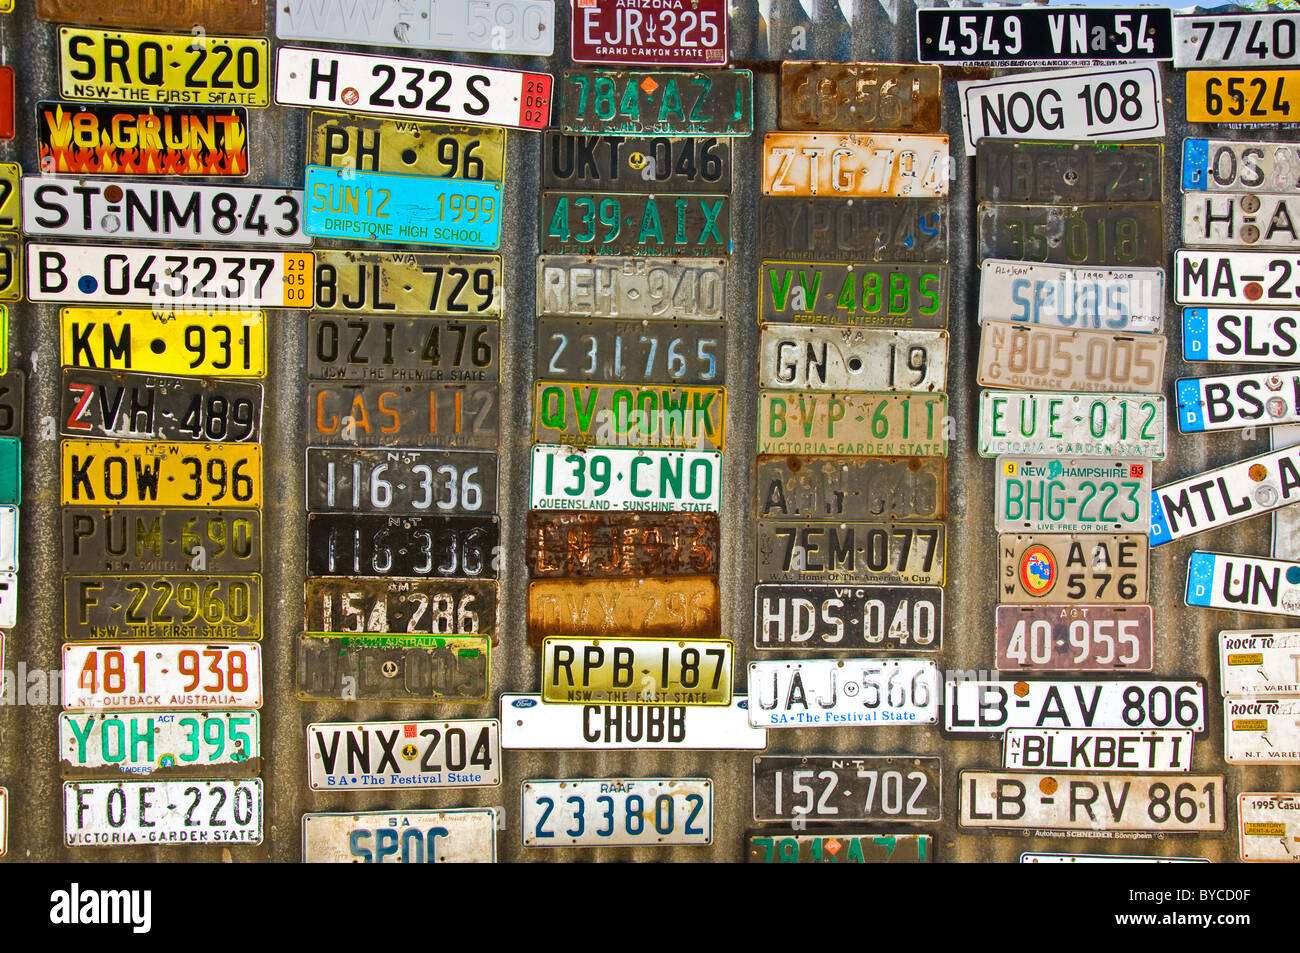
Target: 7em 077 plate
{"x": 415, "y": 668}
{"x": 1077, "y": 425}
{"x": 827, "y": 293}
{"x": 629, "y": 671}
{"x": 852, "y": 424}
{"x": 851, "y": 552}
{"x": 657, "y": 102}
{"x": 647, "y": 289}
{"x": 859, "y": 97}
{"x": 1035, "y": 357}
{"x": 854, "y": 359}
{"x": 854, "y": 488}
{"x": 115, "y": 406}
{"x": 849, "y": 166}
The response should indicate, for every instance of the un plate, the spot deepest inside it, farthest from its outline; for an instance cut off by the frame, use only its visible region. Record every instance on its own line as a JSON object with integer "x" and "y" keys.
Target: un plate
{"x": 619, "y": 164}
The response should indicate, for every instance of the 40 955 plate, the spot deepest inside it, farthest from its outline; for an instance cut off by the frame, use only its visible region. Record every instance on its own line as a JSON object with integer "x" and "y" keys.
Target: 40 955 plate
{"x": 1120, "y": 234}
{"x": 188, "y": 744}
{"x": 392, "y": 414}
{"x": 348, "y": 756}
{"x": 607, "y": 478}
{"x": 854, "y": 488}
{"x": 633, "y": 289}
{"x": 855, "y": 166}
{"x": 136, "y": 473}
{"x": 822, "y": 358}
{"x": 823, "y": 551}
{"x": 632, "y": 352}
{"x": 1035, "y": 357}
{"x": 678, "y": 606}
{"x": 847, "y": 787}
{"x": 1079, "y": 425}
{"x": 401, "y": 481}
{"x": 657, "y": 102}
{"x": 374, "y": 348}
{"x": 1068, "y": 173}
{"x": 779, "y": 847}
{"x": 686, "y": 418}
{"x": 636, "y": 671}
{"x": 1070, "y": 296}
{"x": 814, "y": 617}
{"x": 1077, "y": 568}
{"x": 427, "y": 284}
{"x": 1259, "y": 662}
{"x": 182, "y": 606}
{"x": 662, "y": 164}
{"x": 455, "y": 836}
{"x": 153, "y": 540}
{"x": 1232, "y": 165}
{"x": 123, "y": 406}
{"x": 849, "y": 424}
{"x": 621, "y": 545}
{"x": 398, "y": 668}
{"x": 371, "y": 143}
{"x": 198, "y": 343}
{"x": 826, "y": 293}
{"x": 854, "y": 230}
{"x": 858, "y": 97}
{"x": 1073, "y": 638}
{"x": 622, "y": 223}
{"x": 155, "y": 676}
{"x": 371, "y": 544}
{"x": 401, "y": 606}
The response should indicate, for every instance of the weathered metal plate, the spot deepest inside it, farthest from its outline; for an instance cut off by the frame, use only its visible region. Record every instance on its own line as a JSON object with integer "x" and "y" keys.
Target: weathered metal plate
{"x": 398, "y": 668}
{"x": 527, "y": 724}
{"x": 857, "y": 231}
{"x": 1235, "y": 401}
{"x": 1242, "y": 96}
{"x": 1069, "y": 296}
{"x": 857, "y": 692}
{"x": 603, "y": 478}
{"x": 113, "y": 608}
{"x": 991, "y": 707}
{"x": 855, "y": 166}
{"x": 1261, "y": 731}
{"x": 1234, "y": 39}
{"x": 633, "y": 352}
{"x": 1243, "y": 583}
{"x": 427, "y": 284}
{"x": 620, "y": 545}
{"x": 371, "y": 544}
{"x": 677, "y": 418}
{"x": 11, "y": 472}
{"x": 1038, "y": 36}
{"x": 11, "y": 267}
{"x": 401, "y": 481}
{"x": 371, "y": 143}
{"x": 1259, "y": 662}
{"x": 640, "y": 671}
{"x": 199, "y": 343}
{"x": 1121, "y": 234}
{"x": 1241, "y": 337}
{"x": 633, "y": 289}
{"x": 618, "y": 164}
{"x": 886, "y": 425}
{"x": 826, "y": 293}
{"x": 1035, "y": 357}
{"x": 609, "y": 31}
{"x": 410, "y": 349}
{"x": 1218, "y": 278}
{"x": 1068, "y": 173}
{"x": 12, "y": 392}
{"x": 1232, "y": 165}
{"x": 1051, "y": 495}
{"x": 135, "y": 473}
{"x": 1085, "y": 749}
{"x": 1241, "y": 220}
{"x": 160, "y": 676}
{"x": 657, "y": 103}
{"x": 121, "y": 406}
{"x": 858, "y": 97}
{"x": 847, "y": 787}
{"x": 840, "y": 848}
{"x": 855, "y": 488}
{"x": 1073, "y": 638}
{"x": 455, "y": 836}
{"x": 128, "y": 813}
{"x": 392, "y": 414}
{"x": 519, "y": 27}
{"x": 8, "y": 542}
{"x": 153, "y": 540}
{"x": 1285, "y": 541}
{"x": 348, "y": 756}
{"x": 1079, "y": 425}
{"x": 188, "y": 744}
{"x": 614, "y": 223}
{"x": 821, "y": 358}
{"x": 884, "y": 553}
{"x": 401, "y": 606}
{"x": 1267, "y": 827}
{"x": 225, "y": 16}
{"x": 1225, "y": 495}
{"x": 677, "y": 607}
{"x": 637, "y": 812}
{"x": 1094, "y": 568}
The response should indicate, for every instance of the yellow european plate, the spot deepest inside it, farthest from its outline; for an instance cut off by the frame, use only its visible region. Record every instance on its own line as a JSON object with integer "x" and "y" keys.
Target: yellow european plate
{"x": 632, "y": 671}
{"x": 10, "y": 196}
{"x": 372, "y": 144}
{"x": 11, "y": 270}
{"x": 1241, "y": 95}
{"x": 143, "y": 473}
{"x": 180, "y": 68}
{"x": 181, "y": 343}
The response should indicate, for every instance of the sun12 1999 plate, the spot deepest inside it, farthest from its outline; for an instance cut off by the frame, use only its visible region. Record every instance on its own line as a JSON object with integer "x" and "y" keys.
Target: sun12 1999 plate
{"x": 413, "y": 349}
{"x": 860, "y": 166}
{"x": 649, "y": 34}
{"x": 1073, "y": 638}
{"x": 1241, "y": 219}
{"x": 858, "y": 97}
{"x": 686, "y": 418}
{"x": 1048, "y": 494}
{"x": 851, "y": 552}
{"x": 1119, "y": 234}
{"x": 179, "y": 606}
{"x": 632, "y": 352}
{"x": 857, "y": 692}
{"x": 401, "y": 606}
{"x": 824, "y": 293}
{"x": 427, "y": 284}
{"x": 153, "y": 540}
{"x": 1243, "y": 583}
{"x": 657, "y": 102}
{"x": 197, "y": 343}
{"x": 1068, "y": 173}
{"x": 664, "y": 289}
{"x": 120, "y": 406}
{"x": 614, "y": 223}
{"x": 349, "y": 141}
{"x": 779, "y": 847}
{"x": 819, "y": 618}
{"x": 163, "y": 812}
{"x": 1070, "y": 296}
{"x": 678, "y": 606}
{"x": 350, "y": 756}
{"x": 1078, "y": 425}
{"x": 1267, "y": 825}
{"x": 606, "y": 478}
{"x": 807, "y": 358}
{"x": 1085, "y": 749}
{"x": 1261, "y": 731}
{"x": 455, "y": 836}
{"x": 846, "y": 787}
{"x": 520, "y": 27}
{"x": 849, "y": 424}
{"x": 1232, "y": 165}
{"x": 634, "y": 671}
{"x": 610, "y": 545}
{"x": 527, "y": 724}
{"x": 1234, "y": 401}
{"x": 663, "y": 164}
{"x": 391, "y": 414}
{"x": 853, "y": 230}
{"x": 1077, "y": 568}
{"x": 444, "y": 547}
{"x": 1035, "y": 357}
{"x": 1225, "y": 495}
{"x": 994, "y": 706}
{"x": 187, "y": 744}
{"x": 639, "y": 812}
{"x": 1259, "y": 662}
{"x": 855, "y": 488}
{"x": 401, "y": 481}
{"x": 150, "y": 676}
{"x": 399, "y": 668}
{"x": 136, "y": 473}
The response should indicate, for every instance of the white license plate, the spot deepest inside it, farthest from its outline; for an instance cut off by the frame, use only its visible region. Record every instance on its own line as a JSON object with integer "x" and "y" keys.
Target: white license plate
{"x": 855, "y": 166}
{"x": 8, "y": 538}
{"x": 1259, "y": 662}
{"x": 1234, "y": 401}
{"x": 358, "y": 756}
{"x": 813, "y": 358}
{"x": 618, "y": 812}
{"x": 457, "y": 836}
{"x": 1227, "y": 39}
{"x": 1065, "y": 104}
{"x": 1241, "y": 220}
{"x": 994, "y": 707}
{"x": 152, "y": 676}
{"x": 1082, "y": 802}
{"x": 1046, "y": 494}
{"x": 1226, "y": 495}
{"x": 1073, "y": 296}
{"x": 144, "y": 742}
{"x": 159, "y": 212}
{"x": 118, "y": 813}
{"x": 528, "y": 724}
{"x": 1038, "y": 357}
{"x": 1072, "y": 425}
{"x": 1241, "y": 336}
{"x": 412, "y": 88}
{"x": 1085, "y": 749}
{"x": 1269, "y": 827}
{"x": 1232, "y": 165}
{"x": 8, "y": 600}
{"x": 615, "y": 478}
{"x": 518, "y": 27}
{"x": 1261, "y": 730}
{"x": 1286, "y": 521}
{"x": 853, "y": 692}
{"x": 1033, "y": 858}
{"x": 1256, "y": 278}
{"x": 1243, "y": 583}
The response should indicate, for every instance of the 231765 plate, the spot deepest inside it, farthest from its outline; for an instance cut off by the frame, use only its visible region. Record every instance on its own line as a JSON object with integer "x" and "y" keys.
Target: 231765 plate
{"x": 633, "y": 352}
{"x": 664, "y": 289}
{"x": 662, "y": 164}
{"x": 615, "y": 223}
{"x": 201, "y": 343}
{"x": 814, "y": 617}
{"x": 162, "y": 607}
{"x": 346, "y": 141}
{"x": 1119, "y": 234}
{"x": 401, "y": 481}
{"x": 1068, "y": 173}
{"x": 417, "y": 668}
{"x": 847, "y": 787}
{"x": 857, "y": 230}
{"x": 401, "y": 606}
{"x": 678, "y": 606}
{"x": 444, "y": 547}
{"x": 821, "y": 551}
{"x": 859, "y": 97}
{"x": 851, "y": 424}
{"x": 657, "y": 102}
{"x": 1078, "y": 568}
{"x": 374, "y": 348}
{"x": 118, "y": 406}
{"x": 153, "y": 540}
{"x": 390, "y": 414}
{"x": 687, "y": 418}
{"x": 852, "y": 488}
{"x": 826, "y": 293}
{"x": 621, "y": 545}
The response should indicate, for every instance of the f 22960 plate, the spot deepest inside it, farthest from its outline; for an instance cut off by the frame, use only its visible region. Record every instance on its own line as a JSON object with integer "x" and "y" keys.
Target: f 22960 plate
{"x": 415, "y": 668}
{"x": 182, "y": 606}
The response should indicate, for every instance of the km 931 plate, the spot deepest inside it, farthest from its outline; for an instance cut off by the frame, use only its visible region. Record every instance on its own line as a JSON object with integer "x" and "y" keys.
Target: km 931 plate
{"x": 372, "y": 348}
{"x": 848, "y": 424}
{"x": 633, "y": 289}
{"x": 846, "y": 788}
{"x": 519, "y": 27}
{"x": 398, "y": 668}
{"x": 1034, "y": 357}
{"x": 859, "y": 97}
{"x": 1068, "y": 173}
{"x": 116, "y": 406}
{"x": 851, "y": 552}
{"x": 1234, "y": 401}
{"x": 855, "y": 488}
{"x": 370, "y": 143}
{"x": 153, "y": 540}
{"x": 401, "y": 606}
{"x": 826, "y": 293}
{"x": 1232, "y": 165}
{"x": 1069, "y": 296}
{"x": 427, "y": 284}
{"x": 637, "y": 812}
{"x": 190, "y": 343}
{"x": 390, "y": 414}
{"x": 604, "y": 478}
{"x": 1080, "y": 568}
{"x": 675, "y": 607}
{"x": 1073, "y": 638}
{"x": 456, "y": 836}
{"x": 618, "y": 164}
{"x": 657, "y": 103}
{"x": 136, "y": 473}
{"x": 637, "y": 416}
{"x": 151, "y": 676}
{"x": 1079, "y": 425}
{"x": 1241, "y": 219}
{"x": 631, "y": 352}
{"x": 778, "y": 847}
{"x": 853, "y": 230}
{"x": 1259, "y": 662}
{"x": 619, "y": 223}
{"x": 401, "y": 481}
{"x": 181, "y": 606}
{"x": 862, "y": 166}
{"x": 187, "y": 744}
{"x": 858, "y": 692}
{"x": 1051, "y": 495}
{"x": 1243, "y": 583}
{"x": 351, "y": 756}
{"x": 614, "y": 545}
{"x": 822, "y": 358}
{"x": 815, "y": 617}
{"x": 1120, "y": 234}
{"x": 442, "y": 547}
{"x": 630, "y": 671}
{"x": 1225, "y": 495}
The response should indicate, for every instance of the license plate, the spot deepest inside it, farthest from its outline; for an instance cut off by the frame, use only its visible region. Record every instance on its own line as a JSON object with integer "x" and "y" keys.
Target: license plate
{"x": 831, "y": 229}
{"x": 11, "y": 477}
{"x": 1242, "y": 96}
{"x": 1262, "y": 279}
{"x": 991, "y": 707}
{"x": 380, "y": 414}
{"x": 858, "y": 97}
{"x": 139, "y": 473}
{"x": 187, "y": 744}
{"x": 11, "y": 268}
{"x": 638, "y": 671}
{"x": 851, "y": 552}
{"x": 142, "y": 140}
{"x": 412, "y": 88}
{"x": 1028, "y": 357}
{"x": 1243, "y": 583}
{"x": 606, "y": 31}
{"x": 639, "y": 416}
{"x": 1093, "y": 568}
{"x": 824, "y": 293}
{"x": 677, "y": 607}
{"x": 1056, "y": 749}
{"x": 617, "y": 164}
{"x": 347, "y": 141}
{"x": 113, "y": 608}
{"x": 1121, "y": 234}
{"x": 124, "y": 406}
{"x": 1285, "y": 542}
{"x": 599, "y": 223}
{"x": 633, "y": 289}
{"x": 1080, "y": 425}
{"x": 1182, "y": 804}
{"x": 426, "y": 284}
{"x": 1261, "y": 731}
{"x": 611, "y": 545}
{"x": 226, "y": 16}
{"x": 197, "y": 343}
{"x": 1073, "y": 638}
{"x": 817, "y": 617}
{"x": 858, "y": 692}
{"x": 814, "y": 358}
{"x": 1241, "y": 337}
{"x": 397, "y": 668}
{"x": 344, "y": 604}
{"x": 1070, "y": 296}
{"x": 1267, "y": 827}
{"x": 527, "y": 724}
{"x": 1050, "y": 495}
{"x": 604, "y": 478}
{"x": 11, "y": 174}
{"x": 1065, "y": 104}
{"x": 7, "y": 114}
{"x": 410, "y": 349}
{"x": 1029, "y": 857}
{"x": 885, "y": 425}
{"x": 1241, "y": 219}
{"x": 1068, "y": 173}
{"x": 1253, "y": 662}
{"x": 855, "y": 166}
{"x": 847, "y": 788}
{"x": 657, "y": 103}
{"x": 158, "y": 676}
{"x": 517, "y": 27}
{"x": 456, "y": 836}
{"x": 1234, "y": 401}
{"x": 442, "y": 547}
{"x": 855, "y": 488}
{"x": 153, "y": 540}
{"x": 1038, "y": 36}
{"x": 12, "y": 387}
{"x": 794, "y": 848}
{"x": 1225, "y": 495}
{"x": 121, "y": 813}
{"x": 401, "y": 481}
{"x": 1227, "y": 39}
{"x": 8, "y": 541}
{"x": 348, "y": 756}
{"x": 1233, "y": 165}
{"x": 633, "y": 812}
{"x": 8, "y": 604}
{"x": 634, "y": 352}
{"x": 411, "y": 209}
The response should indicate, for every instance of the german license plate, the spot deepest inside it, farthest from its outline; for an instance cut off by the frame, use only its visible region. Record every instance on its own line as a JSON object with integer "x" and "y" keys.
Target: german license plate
{"x": 634, "y": 352}
{"x": 1259, "y": 662}
{"x": 638, "y": 416}
{"x": 8, "y": 541}
{"x": 858, "y": 692}
{"x": 636, "y": 671}
{"x": 885, "y": 425}
{"x": 858, "y": 97}
{"x": 455, "y": 836}
{"x": 600, "y": 223}
{"x": 994, "y": 706}
{"x": 8, "y": 604}
{"x": 443, "y": 547}
{"x": 611, "y": 545}
{"x": 394, "y": 414}
{"x": 343, "y": 604}
{"x": 649, "y": 812}
{"x": 397, "y": 668}
{"x": 1243, "y": 583}
{"x": 1080, "y": 425}
{"x": 820, "y": 617}
{"x": 375, "y": 144}
{"x": 841, "y": 848}
{"x": 426, "y": 284}
{"x": 1241, "y": 337}
{"x": 1086, "y": 749}
{"x": 12, "y": 387}
{"x": 11, "y": 476}
{"x": 832, "y": 229}
{"x": 10, "y": 196}
{"x": 1243, "y": 96}
{"x": 855, "y": 166}
{"x": 633, "y": 289}
{"x": 1234, "y": 401}
{"x": 1267, "y": 827}
{"x": 1065, "y": 104}
{"x": 1225, "y": 495}
{"x": 518, "y": 27}
{"x": 1068, "y": 173}
{"x": 817, "y": 358}
{"x": 226, "y": 16}
{"x": 679, "y": 606}
{"x": 139, "y": 473}
{"x": 1233, "y": 165}
{"x": 1285, "y": 541}
{"x": 408, "y": 209}
{"x": 605, "y": 31}
{"x": 1227, "y": 39}
{"x": 121, "y": 813}
{"x": 158, "y": 676}
{"x": 1240, "y": 219}
{"x": 198, "y": 343}
{"x": 1050, "y": 495}
{"x": 11, "y": 268}
{"x": 414, "y": 349}
{"x": 847, "y": 788}
{"x": 141, "y": 140}
{"x": 527, "y": 724}
{"x": 1259, "y": 278}
{"x": 113, "y": 608}
{"x": 1121, "y": 234}
{"x": 1029, "y": 357}
{"x": 616, "y": 478}
{"x": 190, "y": 744}
{"x": 350, "y": 756}
{"x": 618, "y": 164}
{"x": 1038, "y": 36}
{"x": 1261, "y": 731}
{"x": 855, "y": 488}
{"x": 401, "y": 481}
{"x": 851, "y": 552}
{"x": 412, "y": 88}
{"x": 824, "y": 293}
{"x": 1073, "y": 638}
{"x": 1079, "y": 568}
{"x": 1072, "y": 296}
{"x": 153, "y": 540}
{"x": 1182, "y": 804}
{"x": 657, "y": 103}
{"x": 124, "y": 406}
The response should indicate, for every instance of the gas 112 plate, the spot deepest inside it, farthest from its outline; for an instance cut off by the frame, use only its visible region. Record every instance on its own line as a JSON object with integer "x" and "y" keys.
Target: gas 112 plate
{"x": 1068, "y": 173}
{"x": 427, "y": 284}
{"x": 1079, "y": 568}
{"x": 636, "y": 671}
{"x": 393, "y": 414}
{"x": 853, "y": 230}
{"x": 121, "y": 813}
{"x": 615, "y": 478}
{"x": 1225, "y": 495}
{"x": 190, "y": 343}
{"x": 1050, "y": 495}
{"x": 991, "y": 707}
{"x": 677, "y": 606}
{"x": 116, "y": 744}
{"x": 352, "y": 756}
{"x": 855, "y": 488}
{"x": 794, "y": 848}
{"x": 152, "y": 540}
{"x": 687, "y": 418}
{"x": 663, "y": 164}
{"x": 817, "y": 617}
{"x": 456, "y": 836}
{"x": 1120, "y": 234}
{"x": 112, "y": 608}
{"x": 857, "y": 692}
{"x": 401, "y": 606}
{"x": 620, "y": 545}
{"x": 657, "y": 103}
{"x": 1079, "y": 425}
{"x": 424, "y": 546}
{"x": 139, "y": 473}
{"x": 852, "y": 424}
{"x": 841, "y": 788}
{"x": 839, "y": 294}
{"x": 858, "y": 97}
{"x": 614, "y": 223}
{"x": 1073, "y": 296}
{"x": 1259, "y": 662}
{"x": 640, "y": 812}
{"x": 851, "y": 552}
{"x": 349, "y": 141}
{"x": 158, "y": 676}
{"x": 633, "y": 289}
{"x": 124, "y": 406}
{"x": 396, "y": 668}
{"x": 375, "y": 348}
{"x": 1036, "y": 357}
{"x": 401, "y": 481}
{"x": 821, "y": 358}
{"x": 607, "y": 31}
{"x": 519, "y": 27}
{"x": 1073, "y": 638}
{"x": 527, "y": 724}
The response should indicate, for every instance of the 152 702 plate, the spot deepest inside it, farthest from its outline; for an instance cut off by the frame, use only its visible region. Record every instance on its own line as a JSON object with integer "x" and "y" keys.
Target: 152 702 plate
{"x": 620, "y": 545}
{"x": 857, "y": 692}
{"x": 163, "y": 812}
{"x": 824, "y": 551}
{"x": 399, "y": 668}
{"x": 1243, "y": 96}
{"x": 853, "y": 424}
{"x": 378, "y": 348}
{"x": 107, "y": 607}
{"x": 858, "y": 97}
{"x": 845, "y": 294}
{"x": 680, "y": 812}
{"x": 1049, "y": 494}
{"x": 1120, "y": 234}
{"x": 858, "y": 166}
{"x": 663, "y": 164}
{"x": 376, "y": 144}
{"x": 1041, "y": 358}
{"x": 857, "y": 231}
{"x": 681, "y": 418}
{"x": 657, "y": 102}
{"x": 200, "y": 343}
{"x": 614, "y": 223}
{"x": 124, "y": 406}
{"x": 456, "y": 836}
{"x": 849, "y": 787}
{"x": 1068, "y": 173}
{"x": 465, "y": 753}
{"x": 854, "y": 488}
{"x": 1235, "y": 401}
{"x": 779, "y": 847}
{"x": 817, "y": 617}
{"x": 187, "y": 744}
{"x": 401, "y": 480}
{"x": 392, "y": 414}
{"x": 153, "y": 540}
{"x": 677, "y": 606}
{"x": 160, "y": 676}
{"x": 1232, "y": 165}
{"x": 1079, "y": 568}
{"x": 606, "y": 31}
{"x": 424, "y": 546}
{"x": 140, "y": 473}
{"x": 636, "y": 671}
{"x": 427, "y": 284}
{"x": 631, "y": 352}
{"x": 1075, "y": 425}
{"x": 824, "y": 358}
{"x": 401, "y": 606}
{"x": 618, "y": 478}
{"x": 1070, "y": 296}
{"x": 645, "y": 289}
{"x": 1073, "y": 638}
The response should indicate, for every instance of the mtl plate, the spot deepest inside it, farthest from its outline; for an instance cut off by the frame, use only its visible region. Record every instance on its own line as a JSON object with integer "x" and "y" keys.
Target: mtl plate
{"x": 1267, "y": 827}
{"x": 1260, "y": 278}
{"x": 225, "y": 16}
{"x": 1233, "y": 165}
{"x": 636, "y": 812}
{"x": 1120, "y": 234}
{"x": 1227, "y": 39}
{"x": 657, "y": 103}
{"x": 820, "y": 358}
{"x": 1051, "y": 495}
{"x": 853, "y": 230}
{"x": 991, "y": 707}
{"x": 375, "y": 144}
{"x": 401, "y": 606}
{"x": 1068, "y": 173}
{"x": 159, "y": 676}
{"x": 188, "y": 744}
{"x": 621, "y": 545}
{"x": 1225, "y": 495}
{"x": 632, "y": 352}
{"x": 851, "y": 552}
{"x": 1038, "y": 36}
{"x": 456, "y": 836}
{"x": 827, "y": 293}
{"x": 1055, "y": 749}
{"x": 1080, "y": 425}
{"x": 847, "y": 787}
{"x": 122, "y": 406}
{"x": 1235, "y": 401}
{"x": 679, "y": 606}
{"x": 855, "y": 166}
{"x": 120, "y": 813}
{"x": 518, "y": 27}
{"x": 616, "y": 223}
{"x": 1261, "y": 731}
{"x": 859, "y": 692}
{"x": 636, "y": 671}
{"x": 401, "y": 481}
{"x": 858, "y": 97}
{"x": 427, "y": 284}
{"x": 633, "y": 289}
{"x": 191, "y": 343}
{"x": 885, "y": 425}
{"x": 372, "y": 348}
{"x": 527, "y": 724}
{"x": 610, "y": 31}
{"x": 1247, "y": 336}
{"x": 392, "y": 414}
{"x": 1073, "y": 638}
{"x": 1243, "y": 583}
{"x": 676, "y": 418}
{"x": 1036, "y": 357}
{"x": 1259, "y": 662}
{"x": 112, "y": 608}
{"x": 396, "y": 668}
{"x": 152, "y": 540}
{"x": 855, "y": 488}
{"x": 819, "y": 617}
{"x": 350, "y": 756}
{"x": 424, "y": 546}
{"x": 139, "y": 473}
{"x": 1069, "y": 296}
{"x": 1094, "y": 568}
{"x": 794, "y": 848}
{"x": 1241, "y": 219}
{"x": 619, "y": 164}
{"x": 606, "y": 478}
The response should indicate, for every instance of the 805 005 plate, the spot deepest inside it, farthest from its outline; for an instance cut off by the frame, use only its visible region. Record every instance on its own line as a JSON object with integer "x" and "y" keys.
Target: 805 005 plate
{"x": 662, "y": 164}
{"x": 1068, "y": 173}
{"x": 375, "y": 667}
{"x": 375, "y": 348}
{"x": 827, "y": 293}
{"x": 401, "y": 606}
{"x": 678, "y": 606}
{"x": 391, "y": 414}
{"x": 622, "y": 223}
{"x": 854, "y": 230}
{"x": 1036, "y": 357}
{"x": 1076, "y": 568}
{"x": 688, "y": 418}
{"x": 153, "y": 540}
{"x": 1073, "y": 296}
{"x": 199, "y": 343}
{"x": 107, "y": 607}
{"x": 614, "y": 545}
{"x": 779, "y": 847}
{"x": 814, "y": 617}
{"x": 401, "y": 481}
{"x": 852, "y": 424}
{"x": 123, "y": 406}
{"x": 1079, "y": 425}
{"x": 657, "y": 103}
{"x": 822, "y": 551}
{"x": 847, "y": 787}
{"x": 824, "y": 358}
{"x": 375, "y": 144}
{"x": 1073, "y": 638}
{"x": 1120, "y": 234}
{"x": 371, "y": 544}
{"x": 858, "y": 97}
{"x": 854, "y": 488}
{"x": 664, "y": 289}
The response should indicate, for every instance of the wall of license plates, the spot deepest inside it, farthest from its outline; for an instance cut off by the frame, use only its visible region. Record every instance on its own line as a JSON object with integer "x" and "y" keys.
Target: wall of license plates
{"x": 648, "y": 430}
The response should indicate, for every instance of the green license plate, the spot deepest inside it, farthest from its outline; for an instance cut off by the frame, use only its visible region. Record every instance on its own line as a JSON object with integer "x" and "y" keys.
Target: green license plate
{"x": 596, "y": 223}
{"x": 657, "y": 102}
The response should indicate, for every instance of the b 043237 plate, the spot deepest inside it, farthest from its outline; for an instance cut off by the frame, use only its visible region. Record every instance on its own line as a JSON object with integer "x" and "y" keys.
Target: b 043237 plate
{"x": 853, "y": 424}
{"x": 646, "y": 288}
{"x": 111, "y": 405}
{"x": 190, "y": 744}
{"x": 1085, "y": 749}
{"x": 198, "y": 343}
{"x": 416, "y": 414}
{"x": 398, "y": 668}
{"x": 1035, "y": 357}
{"x": 161, "y": 676}
{"x": 1243, "y": 583}
{"x": 637, "y": 416}
{"x": 401, "y": 481}
{"x": 455, "y": 836}
{"x": 1234, "y": 401}
{"x": 1241, "y": 219}
{"x": 519, "y": 27}
{"x": 649, "y": 34}
{"x": 657, "y": 103}
{"x": 640, "y": 812}
{"x": 853, "y": 230}
{"x": 1070, "y": 296}
{"x": 663, "y": 164}
{"x": 413, "y": 349}
{"x": 1073, "y": 638}
{"x": 858, "y": 166}
{"x": 608, "y": 478}
{"x": 152, "y": 540}
{"x": 617, "y": 223}
{"x": 678, "y": 606}
{"x": 427, "y": 284}
{"x": 847, "y": 787}
{"x": 1081, "y": 568}
{"x": 1120, "y": 234}
{"x": 857, "y": 692}
{"x": 1259, "y": 662}
{"x": 423, "y": 546}
{"x": 620, "y": 545}
{"x": 823, "y": 358}
{"x": 1267, "y": 827}
{"x": 858, "y": 97}
{"x": 1225, "y": 495}
{"x": 828, "y": 293}
{"x": 630, "y": 352}
{"x": 1232, "y": 165}
{"x": 855, "y": 488}
{"x": 779, "y": 847}
{"x": 527, "y": 724}
{"x": 113, "y": 608}
{"x": 994, "y": 706}
{"x": 375, "y": 144}
{"x": 1047, "y": 494}
{"x": 401, "y": 605}
{"x": 815, "y": 617}
{"x": 127, "y": 813}
{"x": 1077, "y": 425}
{"x": 636, "y": 671}
{"x": 851, "y": 552}
{"x": 352, "y": 756}
{"x": 139, "y": 473}
{"x": 1241, "y": 336}
{"x": 1068, "y": 173}
{"x": 1261, "y": 731}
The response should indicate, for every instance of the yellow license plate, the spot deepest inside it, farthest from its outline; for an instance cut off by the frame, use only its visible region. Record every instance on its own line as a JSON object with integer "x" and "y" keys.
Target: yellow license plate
{"x": 141, "y": 473}
{"x": 10, "y": 178}
{"x": 193, "y": 69}
{"x": 1243, "y": 95}
{"x": 630, "y": 671}
{"x": 181, "y": 343}
{"x": 11, "y": 271}
{"x": 372, "y": 144}
{"x": 4, "y": 339}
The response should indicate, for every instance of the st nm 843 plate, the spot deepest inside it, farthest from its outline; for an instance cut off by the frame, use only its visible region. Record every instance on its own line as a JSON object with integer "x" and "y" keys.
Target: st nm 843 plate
{"x": 815, "y": 617}
{"x": 1241, "y": 220}
{"x": 657, "y": 102}
{"x": 1233, "y": 165}
{"x": 664, "y": 289}
{"x": 820, "y": 358}
{"x": 631, "y": 671}
{"x": 375, "y": 348}
{"x": 853, "y": 230}
{"x": 117, "y": 406}
{"x": 153, "y": 540}
{"x": 401, "y": 481}
{"x": 826, "y": 293}
{"x": 398, "y": 668}
{"x": 139, "y": 473}
{"x": 1079, "y": 425}
{"x": 858, "y": 97}
{"x": 685, "y": 418}
{"x": 1259, "y": 661}
{"x": 849, "y": 424}
{"x": 186, "y": 744}
{"x": 351, "y": 756}
{"x": 519, "y": 27}
{"x": 855, "y": 166}
{"x": 1051, "y": 495}
{"x": 445, "y": 547}
{"x": 1035, "y": 357}
{"x": 779, "y": 847}
{"x": 675, "y": 607}
{"x": 349, "y": 141}
{"x": 401, "y": 606}
{"x": 851, "y": 552}
{"x": 621, "y": 223}
{"x": 1073, "y": 296}
{"x": 1076, "y": 568}
{"x": 1073, "y": 638}
{"x": 663, "y": 164}
{"x": 853, "y": 488}
{"x": 391, "y": 414}
{"x": 846, "y": 788}
{"x": 182, "y": 606}
{"x": 1068, "y": 173}
{"x": 428, "y": 284}
{"x": 631, "y": 352}
{"x": 198, "y": 343}
{"x": 610, "y": 545}
{"x": 1119, "y": 234}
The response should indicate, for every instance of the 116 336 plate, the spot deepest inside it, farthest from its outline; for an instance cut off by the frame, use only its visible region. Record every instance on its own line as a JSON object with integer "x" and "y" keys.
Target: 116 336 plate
{"x": 1119, "y": 234}
{"x": 401, "y": 606}
{"x": 860, "y": 166}
{"x": 645, "y": 289}
{"x": 853, "y": 230}
{"x": 1084, "y": 749}
{"x": 857, "y": 692}
{"x": 164, "y": 812}
{"x": 994, "y": 706}
{"x": 855, "y": 488}
{"x": 662, "y": 164}
{"x": 1243, "y": 583}
{"x": 1259, "y": 662}
{"x": 375, "y": 144}
{"x": 1267, "y": 827}
{"x": 614, "y": 223}
{"x": 617, "y": 478}
{"x": 159, "y": 676}
{"x": 1232, "y": 165}
{"x": 1245, "y": 336}
{"x": 456, "y": 836}
{"x": 842, "y": 848}
{"x": 1095, "y": 568}
{"x": 398, "y": 668}
{"x": 140, "y": 473}
{"x": 198, "y": 343}
{"x": 678, "y": 606}
{"x": 1036, "y": 357}
{"x": 401, "y": 480}
{"x": 848, "y": 787}
{"x": 1259, "y": 278}
{"x": 607, "y": 31}
{"x": 620, "y": 545}
{"x": 633, "y": 352}
{"x": 1079, "y": 425}
{"x": 1225, "y": 495}
{"x": 390, "y": 414}
{"x": 427, "y": 284}
{"x": 1070, "y": 296}
{"x": 154, "y": 540}
{"x": 1048, "y": 494}
{"x": 442, "y": 547}
{"x": 858, "y": 97}
{"x": 1241, "y": 219}
{"x": 348, "y": 756}
{"x": 823, "y": 358}
{"x": 1227, "y": 39}
{"x": 821, "y": 617}
{"x": 636, "y": 671}
{"x": 1235, "y": 401}
{"x": 823, "y": 551}
{"x": 124, "y": 406}
{"x": 527, "y": 724}
{"x": 826, "y": 293}
{"x": 107, "y": 607}
{"x": 1261, "y": 731}
{"x": 1073, "y": 638}
{"x": 681, "y": 808}
{"x": 519, "y": 27}
{"x": 639, "y": 416}
{"x": 416, "y": 349}
{"x": 1037, "y": 36}
{"x": 853, "y": 424}
{"x": 189, "y": 744}
{"x": 1068, "y": 173}
{"x": 225, "y": 16}
{"x": 657, "y": 102}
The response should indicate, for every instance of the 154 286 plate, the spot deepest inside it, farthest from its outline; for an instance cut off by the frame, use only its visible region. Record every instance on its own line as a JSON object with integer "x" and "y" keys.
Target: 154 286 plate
{"x": 683, "y": 418}
{"x": 663, "y": 164}
{"x": 348, "y": 756}
{"x": 678, "y": 606}
{"x": 858, "y": 97}
{"x": 1235, "y": 401}
{"x": 632, "y": 352}
{"x": 189, "y": 744}
{"x": 814, "y": 617}
{"x": 853, "y": 424}
{"x": 854, "y": 230}
{"x": 636, "y": 671}
{"x": 1119, "y": 234}
{"x": 827, "y": 293}
{"x": 846, "y": 787}
{"x": 607, "y": 31}
{"x": 424, "y": 546}
{"x": 139, "y": 473}
{"x": 1073, "y": 296}
{"x": 646, "y": 288}
{"x": 153, "y": 540}
{"x": 391, "y": 414}
{"x": 1077, "y": 568}
{"x": 200, "y": 343}
{"x": 609, "y": 545}
{"x": 615, "y": 223}
{"x": 456, "y": 836}
{"x": 401, "y": 481}
{"x": 861, "y": 166}
{"x": 159, "y": 676}
{"x": 400, "y": 668}
{"x": 855, "y": 488}
{"x": 1232, "y": 165}
{"x": 779, "y": 847}
{"x": 823, "y": 358}
{"x": 858, "y": 692}
{"x": 1073, "y": 638}
{"x": 414, "y": 349}
{"x": 1048, "y": 494}
{"x": 681, "y": 812}
{"x": 112, "y": 608}
{"x": 401, "y": 605}
{"x": 1036, "y": 357}
{"x": 123, "y": 406}
{"x": 1259, "y": 662}
{"x": 427, "y": 284}
{"x": 609, "y": 478}
{"x": 1076, "y": 425}
{"x": 851, "y": 552}
{"x": 349, "y": 141}
{"x": 164, "y": 812}
{"x": 1068, "y": 173}
{"x": 657, "y": 102}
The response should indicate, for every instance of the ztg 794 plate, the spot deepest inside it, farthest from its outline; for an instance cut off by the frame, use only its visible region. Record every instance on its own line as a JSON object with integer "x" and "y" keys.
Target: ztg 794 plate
{"x": 612, "y": 545}
{"x": 1068, "y": 173}
{"x": 381, "y": 414}
{"x": 856, "y": 488}
{"x": 1069, "y": 296}
{"x": 150, "y": 676}
{"x": 1047, "y": 494}
{"x": 1121, "y": 234}
{"x": 148, "y": 539}
{"x": 372, "y": 544}
{"x": 851, "y": 424}
{"x": 616, "y": 223}
{"x": 188, "y": 343}
{"x": 628, "y": 671}
{"x": 808, "y": 358}
{"x": 349, "y": 756}
{"x": 828, "y": 293}
{"x": 846, "y": 788}
{"x": 618, "y": 164}
{"x": 637, "y": 812}
{"x": 1093, "y": 568}
{"x": 116, "y": 406}
{"x": 814, "y": 617}
{"x": 1047, "y": 424}
{"x": 1034, "y": 357}
{"x": 657, "y": 102}
{"x": 370, "y": 143}
{"x": 401, "y": 481}
{"x": 162, "y": 607}
{"x": 401, "y": 606}
{"x": 855, "y": 166}
{"x": 135, "y": 473}
{"x": 1073, "y": 638}
{"x": 186, "y": 744}
{"x": 630, "y": 352}
{"x": 397, "y": 668}
{"x": 858, "y": 97}
{"x": 633, "y": 289}
{"x": 372, "y": 348}
{"x": 851, "y": 552}
{"x": 1234, "y": 401}
{"x": 604, "y": 478}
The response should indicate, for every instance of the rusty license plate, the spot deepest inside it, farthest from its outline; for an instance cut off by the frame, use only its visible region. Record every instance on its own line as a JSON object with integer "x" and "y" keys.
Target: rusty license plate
{"x": 401, "y": 480}
{"x": 828, "y": 293}
{"x": 152, "y": 540}
{"x": 225, "y": 16}
{"x": 416, "y": 668}
{"x": 627, "y": 671}
{"x": 624, "y": 223}
{"x": 641, "y": 289}
{"x": 855, "y": 166}
{"x": 657, "y": 102}
{"x": 822, "y": 551}
{"x": 633, "y": 352}
{"x": 1119, "y": 234}
{"x": 677, "y": 607}
{"x": 858, "y": 231}
{"x": 444, "y": 547}
{"x": 13, "y": 386}
{"x": 428, "y": 284}
{"x": 375, "y": 348}
{"x": 1078, "y": 568}
{"x": 824, "y": 358}
{"x": 401, "y": 606}
{"x": 853, "y": 488}
{"x": 675, "y": 418}
{"x": 121, "y": 406}
{"x": 885, "y": 425}
{"x": 662, "y": 164}
{"x": 1020, "y": 357}
{"x": 816, "y": 617}
{"x": 1068, "y": 173}
{"x": 859, "y": 97}
{"x": 111, "y": 608}
{"x": 621, "y": 545}
{"x": 374, "y": 144}
{"x": 383, "y": 414}
{"x": 1073, "y": 638}
{"x": 847, "y": 787}
{"x": 780, "y": 847}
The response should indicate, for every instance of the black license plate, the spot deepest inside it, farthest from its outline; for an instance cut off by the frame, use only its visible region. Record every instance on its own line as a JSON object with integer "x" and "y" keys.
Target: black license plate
{"x": 880, "y": 847}
{"x": 619, "y": 164}
{"x": 123, "y": 406}
{"x": 859, "y": 97}
{"x": 13, "y": 386}
{"x": 853, "y": 488}
{"x": 563, "y": 544}
{"x": 1068, "y": 173}
{"x": 649, "y": 289}
{"x": 419, "y": 283}
{"x": 835, "y": 551}
{"x": 846, "y": 788}
{"x": 817, "y": 618}
{"x": 622, "y": 223}
{"x": 444, "y": 547}
{"x": 340, "y": 480}
{"x": 662, "y": 352}
{"x": 403, "y": 415}
{"x": 401, "y": 606}
{"x": 657, "y": 102}
{"x": 148, "y": 540}
{"x": 1120, "y": 234}
{"x": 825, "y": 229}
{"x": 904, "y": 296}
{"x": 378, "y": 348}
{"x": 1038, "y": 36}
{"x": 185, "y": 606}
{"x": 424, "y": 668}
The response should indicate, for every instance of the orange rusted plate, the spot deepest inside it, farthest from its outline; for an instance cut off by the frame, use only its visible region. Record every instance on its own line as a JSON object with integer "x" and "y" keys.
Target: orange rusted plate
{"x": 859, "y": 97}
{"x": 608, "y": 545}
{"x": 682, "y": 606}
{"x": 214, "y": 16}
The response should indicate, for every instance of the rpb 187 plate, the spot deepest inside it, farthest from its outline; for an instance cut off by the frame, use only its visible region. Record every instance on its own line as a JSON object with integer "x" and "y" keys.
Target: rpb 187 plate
{"x": 223, "y": 16}
{"x": 140, "y": 473}
{"x": 455, "y": 836}
{"x": 858, "y": 97}
{"x": 392, "y": 414}
{"x": 1078, "y": 425}
{"x": 401, "y": 606}
{"x": 1243, "y": 583}
{"x": 858, "y": 692}
{"x": 675, "y": 607}
{"x": 1234, "y": 401}
{"x": 681, "y": 810}
{"x": 1267, "y": 827}
{"x": 851, "y": 552}
{"x": 854, "y": 488}
{"x": 153, "y": 540}
{"x": 398, "y": 668}
{"x": 1241, "y": 220}
{"x": 425, "y": 546}
{"x": 621, "y": 545}
{"x": 994, "y": 706}
{"x": 1035, "y": 357}
{"x": 1038, "y": 36}
{"x": 497, "y": 27}
{"x": 814, "y": 617}
{"x": 678, "y": 418}
{"x": 187, "y": 744}
{"x": 1225, "y": 495}
{"x": 375, "y": 144}
{"x": 1243, "y": 96}
{"x": 163, "y": 812}
{"x": 401, "y": 481}
{"x": 1051, "y": 495}
{"x": 823, "y": 358}
{"x": 636, "y": 671}
{"x": 825, "y": 293}
{"x": 848, "y": 787}
{"x": 1120, "y": 234}
{"x": 657, "y": 102}
{"x": 607, "y": 478}
{"x": 1245, "y": 278}
{"x": 1070, "y": 296}
{"x": 412, "y": 349}
{"x": 632, "y": 352}
{"x": 616, "y": 223}
{"x": 199, "y": 343}
{"x": 183, "y": 606}
{"x": 1261, "y": 731}
{"x": 855, "y": 166}
{"x": 350, "y": 756}
{"x": 849, "y": 424}
{"x": 427, "y": 284}
{"x": 1226, "y": 39}
{"x": 1077, "y": 568}
{"x": 1233, "y": 165}
{"x": 607, "y": 31}
{"x": 1073, "y": 638}
{"x": 1068, "y": 173}
{"x": 778, "y": 847}
{"x": 663, "y": 164}
{"x": 854, "y": 230}
{"x": 666, "y": 289}
{"x": 160, "y": 676}
{"x": 125, "y": 406}
{"x": 1259, "y": 662}
{"x": 1085, "y": 749}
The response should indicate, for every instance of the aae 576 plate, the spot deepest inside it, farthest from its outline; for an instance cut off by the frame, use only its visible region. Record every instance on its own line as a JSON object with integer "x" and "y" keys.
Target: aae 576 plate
{"x": 1076, "y": 568}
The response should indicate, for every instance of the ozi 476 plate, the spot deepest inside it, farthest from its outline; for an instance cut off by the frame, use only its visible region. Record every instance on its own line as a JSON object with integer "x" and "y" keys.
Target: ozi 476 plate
{"x": 633, "y": 289}
{"x": 827, "y": 293}
{"x": 112, "y": 608}
{"x": 1072, "y": 425}
{"x": 854, "y": 488}
{"x": 415, "y": 668}
{"x": 859, "y": 97}
{"x": 1084, "y": 568}
{"x": 349, "y": 141}
{"x": 851, "y": 552}
{"x": 625, "y": 671}
{"x": 118, "y": 406}
{"x": 379, "y": 348}
{"x": 806, "y": 358}
{"x": 853, "y": 424}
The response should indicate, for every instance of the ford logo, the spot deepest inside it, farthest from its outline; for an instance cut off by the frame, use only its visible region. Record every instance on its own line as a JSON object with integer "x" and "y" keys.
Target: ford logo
{"x": 524, "y": 702}
{"x": 743, "y": 704}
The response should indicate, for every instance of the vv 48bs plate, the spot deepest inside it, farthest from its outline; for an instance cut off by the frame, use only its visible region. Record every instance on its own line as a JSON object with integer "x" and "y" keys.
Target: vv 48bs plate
{"x": 825, "y": 293}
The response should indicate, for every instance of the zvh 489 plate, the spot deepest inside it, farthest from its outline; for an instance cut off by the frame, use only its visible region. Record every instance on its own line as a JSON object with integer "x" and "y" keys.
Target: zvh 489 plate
{"x": 188, "y": 744}
{"x": 351, "y": 756}
{"x": 679, "y": 606}
{"x": 814, "y": 617}
{"x": 633, "y": 671}
{"x": 858, "y": 97}
{"x": 1073, "y": 638}
{"x": 1047, "y": 494}
{"x": 444, "y": 547}
{"x": 121, "y": 813}
{"x": 191, "y": 343}
{"x": 402, "y": 349}
{"x": 614, "y": 223}
{"x": 138, "y": 473}
{"x": 371, "y": 143}
{"x": 1234, "y": 401}
{"x": 398, "y": 668}
{"x": 401, "y": 606}
{"x": 1120, "y": 234}
{"x": 391, "y": 414}
{"x": 794, "y": 848}
{"x": 855, "y": 488}
{"x": 607, "y": 31}
{"x": 846, "y": 788}
{"x": 604, "y": 478}
{"x": 851, "y": 552}
{"x": 1034, "y": 357}
{"x": 657, "y": 103}
{"x": 632, "y": 352}
{"x": 857, "y": 692}
{"x": 455, "y": 836}
{"x": 1073, "y": 296}
{"x": 183, "y": 606}
{"x": 665, "y": 289}
{"x": 1225, "y": 495}
{"x": 850, "y": 424}
{"x": 1080, "y": 425}
{"x": 1259, "y": 662}
{"x": 1068, "y": 173}
{"x": 638, "y": 416}
{"x": 612, "y": 545}
{"x": 855, "y": 166}
{"x": 994, "y": 706}
{"x": 153, "y": 540}
{"x": 858, "y": 231}
{"x": 825, "y": 293}
{"x": 118, "y": 406}
{"x": 401, "y": 481}
{"x": 1077, "y": 568}
{"x": 1241, "y": 219}
{"x": 152, "y": 676}
{"x": 1232, "y": 165}
{"x": 798, "y": 357}
{"x": 649, "y": 812}
{"x": 1243, "y": 583}
{"x": 519, "y": 27}
{"x": 427, "y": 284}
{"x": 662, "y": 164}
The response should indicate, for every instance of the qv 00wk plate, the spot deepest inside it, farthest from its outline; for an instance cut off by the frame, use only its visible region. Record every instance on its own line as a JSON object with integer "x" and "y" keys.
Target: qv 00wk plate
{"x": 119, "y": 813}
{"x": 1226, "y": 495}
{"x": 797, "y": 357}
{"x": 861, "y": 692}
{"x": 350, "y": 756}
{"x": 519, "y": 27}
{"x": 456, "y": 836}
{"x": 1046, "y": 494}
{"x": 1260, "y": 662}
{"x": 1243, "y": 583}
{"x": 640, "y": 812}
{"x": 1073, "y": 296}
{"x": 1075, "y": 425}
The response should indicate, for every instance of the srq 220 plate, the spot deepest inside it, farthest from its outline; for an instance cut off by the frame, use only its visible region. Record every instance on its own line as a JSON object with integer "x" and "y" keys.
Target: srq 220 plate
{"x": 397, "y": 668}
{"x": 838, "y": 294}
{"x": 622, "y": 812}
{"x": 853, "y": 692}
{"x": 636, "y": 671}
{"x": 820, "y": 617}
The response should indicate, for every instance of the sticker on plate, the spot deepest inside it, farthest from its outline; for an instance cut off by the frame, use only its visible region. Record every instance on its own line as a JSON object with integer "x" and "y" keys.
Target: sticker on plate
{"x": 122, "y": 813}
{"x": 855, "y": 166}
{"x": 678, "y": 606}
{"x": 400, "y": 481}
{"x": 157, "y": 676}
{"x": 1073, "y": 638}
{"x": 347, "y": 756}
{"x": 392, "y": 414}
{"x": 192, "y": 343}
{"x": 1233, "y": 165}
{"x": 224, "y": 16}
{"x": 1068, "y": 173}
{"x": 1261, "y": 731}
{"x": 1235, "y": 401}
{"x": 1036, "y": 357}
{"x": 1259, "y": 662}
{"x": 817, "y": 616}
{"x": 497, "y": 27}
{"x": 527, "y": 724}
{"x": 637, "y": 416}
{"x": 858, "y": 692}
{"x": 1260, "y": 278}
{"x": 852, "y": 230}
{"x": 1228, "y": 39}
{"x": 631, "y": 224}
{"x": 140, "y": 473}
{"x": 440, "y": 669}
{"x": 1051, "y": 495}
{"x": 1242, "y": 96}
{"x": 1225, "y": 495}
{"x": 1076, "y": 568}
{"x": 858, "y": 97}
{"x": 841, "y": 848}
{"x": 427, "y": 284}
{"x": 612, "y": 545}
{"x": 113, "y": 608}
{"x": 604, "y": 478}
{"x": 1118, "y": 234}
{"x": 376, "y": 348}
{"x": 847, "y": 787}
{"x": 636, "y": 671}
{"x": 1241, "y": 337}
{"x": 1079, "y": 425}
{"x": 633, "y": 289}
{"x": 455, "y": 836}
{"x": 1268, "y": 827}
{"x": 1073, "y": 296}
{"x": 1039, "y": 36}
{"x": 826, "y": 293}
{"x": 631, "y": 352}
{"x": 424, "y": 546}
{"x": 991, "y": 707}
{"x": 114, "y": 405}
{"x": 885, "y": 425}
{"x": 1240, "y": 219}
{"x": 611, "y": 31}
{"x": 401, "y": 605}
{"x": 188, "y": 744}
{"x": 1086, "y": 749}
{"x": 856, "y": 488}
{"x": 821, "y": 358}
{"x": 375, "y": 144}
{"x": 152, "y": 540}
{"x": 680, "y": 812}
{"x": 619, "y": 164}
{"x": 657, "y": 103}
{"x": 851, "y": 552}
{"x": 1243, "y": 583}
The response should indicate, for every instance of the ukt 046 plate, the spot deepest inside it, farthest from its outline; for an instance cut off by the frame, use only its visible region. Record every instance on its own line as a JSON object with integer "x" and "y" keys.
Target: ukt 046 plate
{"x": 619, "y": 164}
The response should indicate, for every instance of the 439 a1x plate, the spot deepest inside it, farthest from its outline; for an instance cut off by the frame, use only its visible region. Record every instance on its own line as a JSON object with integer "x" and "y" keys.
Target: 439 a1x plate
{"x": 598, "y": 223}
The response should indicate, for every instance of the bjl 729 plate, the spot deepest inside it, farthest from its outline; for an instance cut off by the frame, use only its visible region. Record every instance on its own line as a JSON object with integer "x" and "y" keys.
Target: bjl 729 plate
{"x": 1086, "y": 749}
{"x": 1260, "y": 662}
{"x": 636, "y": 671}
{"x": 111, "y": 405}
{"x": 1234, "y": 401}
{"x": 886, "y": 425}
{"x": 825, "y": 293}
{"x": 819, "y": 617}
{"x": 638, "y": 416}
{"x": 634, "y": 289}
{"x": 617, "y": 164}
{"x": 1232, "y": 165}
{"x": 1068, "y": 173}
{"x": 657, "y": 103}
{"x": 1073, "y": 638}
{"x": 853, "y": 230}
{"x": 405, "y": 349}
{"x": 855, "y": 488}
{"x": 350, "y": 756}
{"x": 638, "y": 812}
{"x": 191, "y": 343}
{"x": 401, "y": 481}
{"x": 820, "y": 358}
{"x": 1243, "y": 583}
{"x": 630, "y": 352}
{"x": 391, "y": 414}
{"x": 846, "y": 788}
{"x": 416, "y": 283}
{"x": 1225, "y": 495}
{"x": 1120, "y": 234}
{"x": 415, "y": 668}
{"x": 1072, "y": 296}
{"x": 135, "y": 473}
{"x": 181, "y": 606}
{"x": 1243, "y": 219}
{"x": 858, "y": 692}
{"x": 1078, "y": 568}
{"x": 1046, "y": 494}
{"x": 679, "y": 606}
{"x": 456, "y": 836}
{"x": 371, "y": 544}
{"x": 153, "y": 676}
{"x": 187, "y": 744}
{"x": 349, "y": 141}
{"x": 1034, "y": 357}
{"x": 152, "y": 540}
{"x": 994, "y": 706}
{"x": 1079, "y": 425}
{"x": 858, "y": 97}
{"x": 520, "y": 27}
{"x": 851, "y": 552}
{"x": 603, "y": 478}
{"x": 1242, "y": 336}
{"x": 794, "y": 848}
{"x": 607, "y": 31}
{"x": 1261, "y": 731}
{"x": 1267, "y": 827}
{"x": 120, "y": 813}
{"x": 401, "y": 606}
{"x": 614, "y": 223}
{"x": 613, "y": 545}
{"x": 855, "y": 166}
